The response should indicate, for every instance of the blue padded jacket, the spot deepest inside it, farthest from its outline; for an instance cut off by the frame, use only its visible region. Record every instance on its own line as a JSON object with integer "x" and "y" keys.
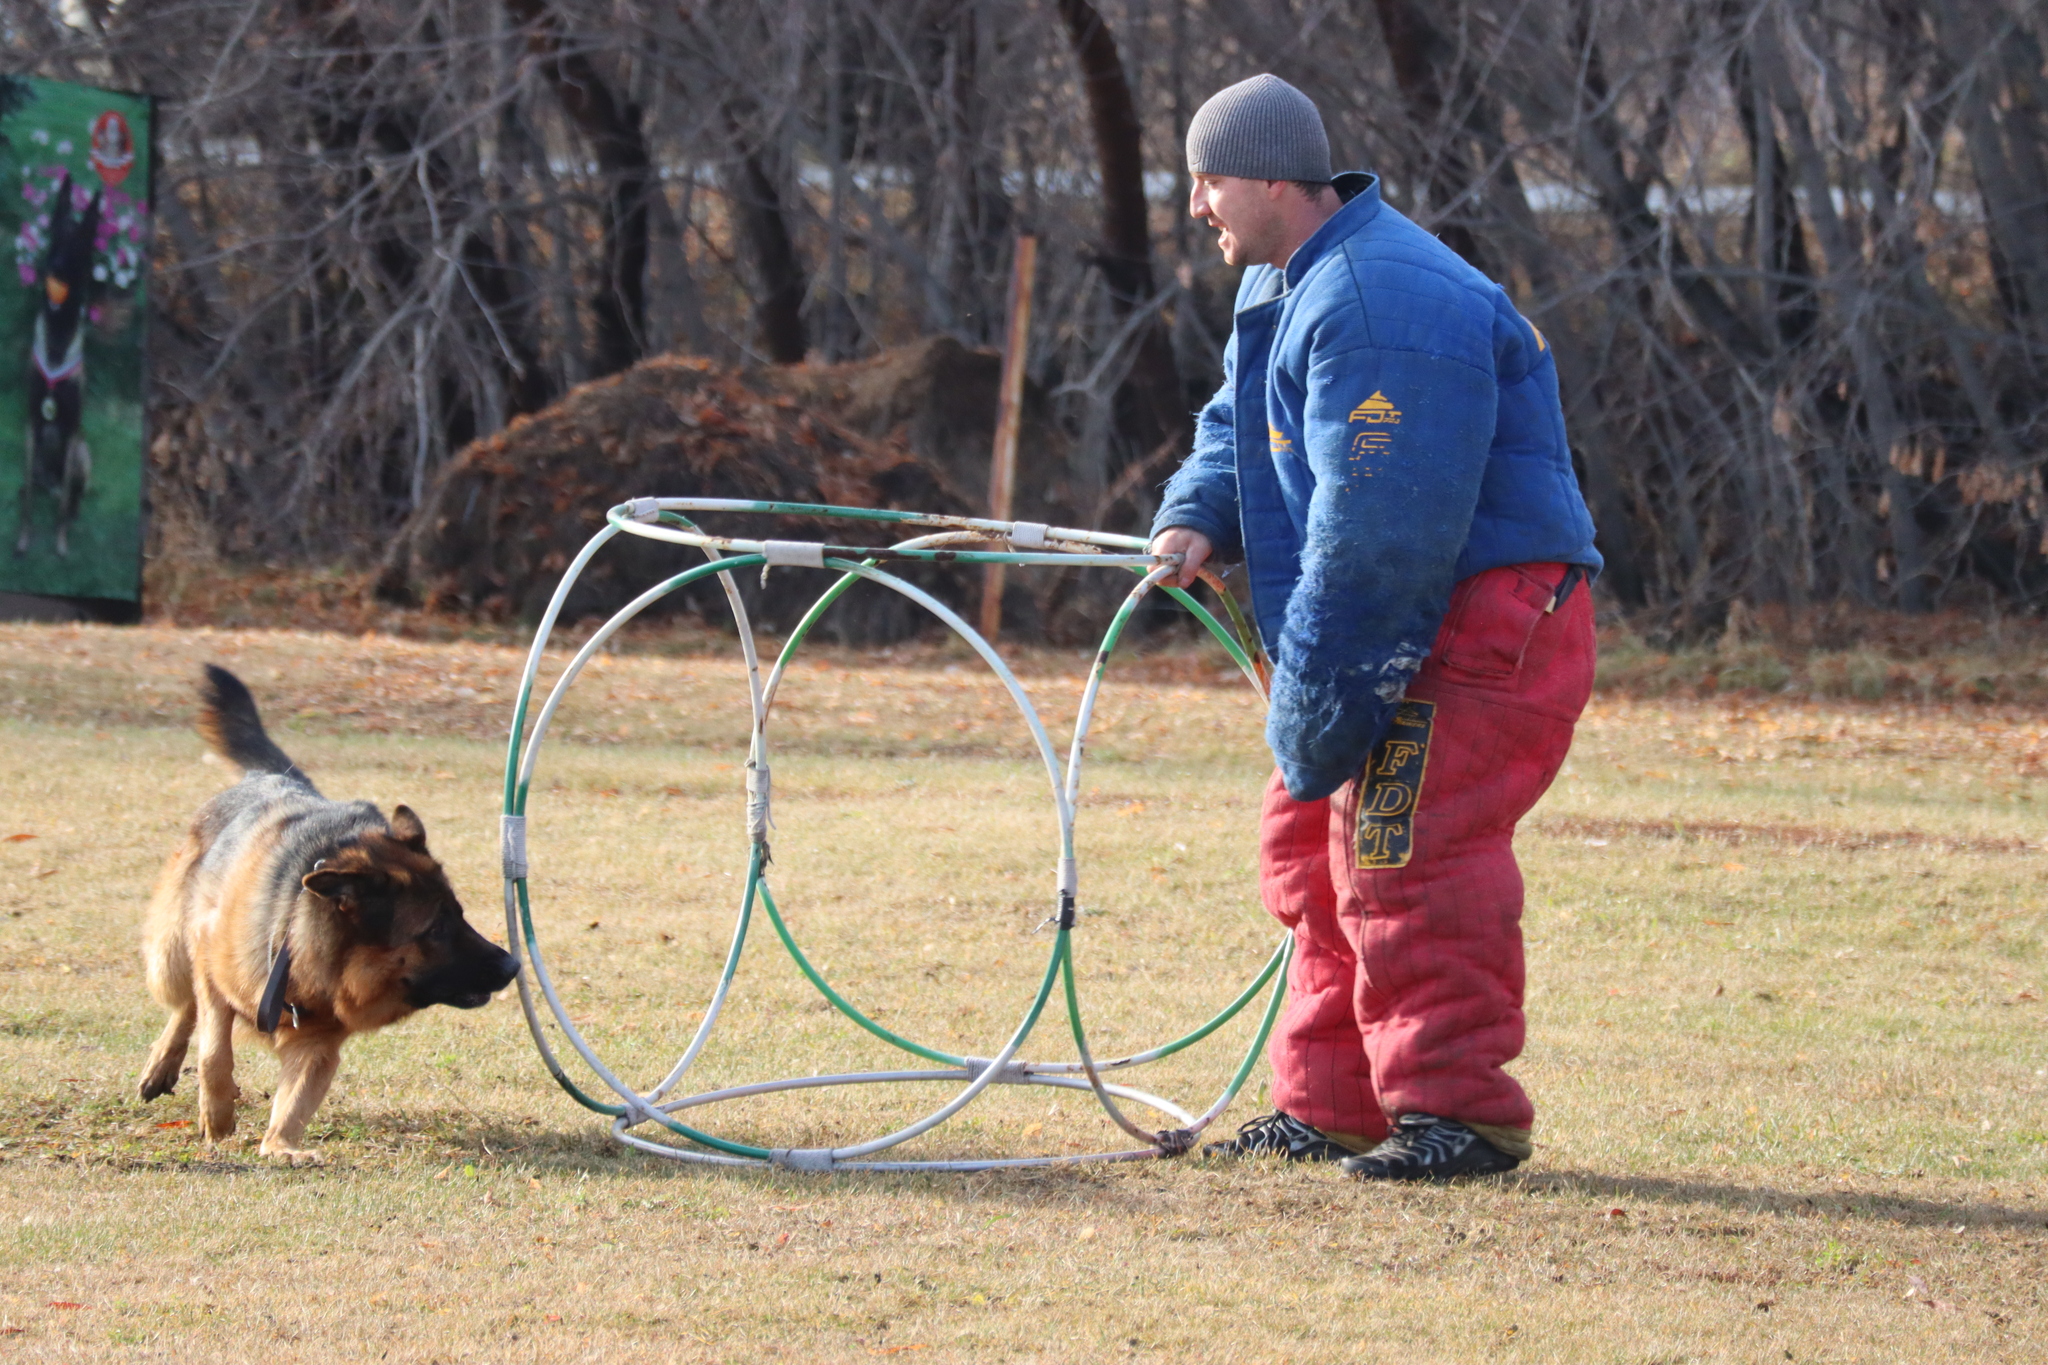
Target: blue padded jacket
{"x": 1388, "y": 425}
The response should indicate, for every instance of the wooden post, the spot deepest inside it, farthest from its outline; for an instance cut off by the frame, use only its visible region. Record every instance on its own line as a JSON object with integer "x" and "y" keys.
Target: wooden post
{"x": 1002, "y": 470}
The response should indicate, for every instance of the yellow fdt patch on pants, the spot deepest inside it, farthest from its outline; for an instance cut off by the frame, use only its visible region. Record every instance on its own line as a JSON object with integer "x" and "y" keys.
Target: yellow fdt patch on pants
{"x": 1389, "y": 787}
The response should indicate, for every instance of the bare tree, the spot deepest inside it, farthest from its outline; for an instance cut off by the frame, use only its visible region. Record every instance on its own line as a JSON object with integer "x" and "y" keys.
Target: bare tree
{"x": 1786, "y": 251}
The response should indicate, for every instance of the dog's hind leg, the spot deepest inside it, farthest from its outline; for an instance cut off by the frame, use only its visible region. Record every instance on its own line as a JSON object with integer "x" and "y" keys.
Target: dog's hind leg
{"x": 167, "y": 1058}
{"x": 77, "y": 477}
{"x": 306, "y": 1067}
{"x": 167, "y": 966}
{"x": 217, "y": 1092}
{"x": 26, "y": 504}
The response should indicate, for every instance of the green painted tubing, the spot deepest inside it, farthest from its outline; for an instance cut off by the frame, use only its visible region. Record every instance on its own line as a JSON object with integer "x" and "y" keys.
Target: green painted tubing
{"x": 512, "y": 751}
{"x": 1093, "y": 1072}
{"x": 818, "y": 608}
{"x": 1251, "y": 1056}
{"x": 1007, "y": 1053}
{"x": 618, "y": 1110}
{"x": 1202, "y": 614}
{"x": 516, "y": 799}
{"x": 845, "y": 1006}
{"x": 555, "y": 1069}
{"x": 1061, "y": 961}
{"x": 1229, "y": 1012}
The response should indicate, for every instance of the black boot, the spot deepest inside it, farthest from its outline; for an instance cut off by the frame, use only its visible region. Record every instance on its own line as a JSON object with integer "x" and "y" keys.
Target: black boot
{"x": 1282, "y": 1135}
{"x": 1425, "y": 1147}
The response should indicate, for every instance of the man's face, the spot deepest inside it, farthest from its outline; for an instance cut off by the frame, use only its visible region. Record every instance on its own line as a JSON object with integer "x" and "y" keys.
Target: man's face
{"x": 1245, "y": 213}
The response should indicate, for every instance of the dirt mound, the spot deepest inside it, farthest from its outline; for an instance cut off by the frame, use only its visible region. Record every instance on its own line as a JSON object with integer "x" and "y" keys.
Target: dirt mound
{"x": 909, "y": 428}
{"x": 937, "y": 399}
{"x": 509, "y": 512}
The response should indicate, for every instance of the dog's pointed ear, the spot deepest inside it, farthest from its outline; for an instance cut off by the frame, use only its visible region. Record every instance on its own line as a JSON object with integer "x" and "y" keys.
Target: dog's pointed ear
{"x": 329, "y": 882}
{"x": 362, "y": 895}
{"x": 407, "y": 829}
{"x": 345, "y": 887}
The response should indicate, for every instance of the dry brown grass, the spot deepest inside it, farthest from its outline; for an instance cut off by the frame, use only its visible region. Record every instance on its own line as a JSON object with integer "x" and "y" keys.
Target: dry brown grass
{"x": 1787, "y": 1038}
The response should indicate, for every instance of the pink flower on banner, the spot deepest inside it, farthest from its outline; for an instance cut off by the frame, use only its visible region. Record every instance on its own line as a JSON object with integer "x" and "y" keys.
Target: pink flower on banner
{"x": 28, "y": 275}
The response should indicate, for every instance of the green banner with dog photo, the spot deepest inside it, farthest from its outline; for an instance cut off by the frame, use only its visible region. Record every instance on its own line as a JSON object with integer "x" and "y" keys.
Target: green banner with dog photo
{"x": 74, "y": 207}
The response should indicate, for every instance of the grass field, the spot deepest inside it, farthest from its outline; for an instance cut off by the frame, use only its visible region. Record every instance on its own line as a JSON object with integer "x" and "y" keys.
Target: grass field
{"x": 1787, "y": 1037}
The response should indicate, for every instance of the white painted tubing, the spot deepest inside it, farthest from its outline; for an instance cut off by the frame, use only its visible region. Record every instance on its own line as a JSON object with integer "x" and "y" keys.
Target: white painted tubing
{"x": 1081, "y": 723}
{"x": 662, "y": 1149}
{"x": 620, "y": 1125}
{"x": 1080, "y": 547}
{"x": 759, "y": 703}
{"x": 1107, "y": 539}
{"x": 634, "y": 1100}
{"x": 1013, "y": 1077}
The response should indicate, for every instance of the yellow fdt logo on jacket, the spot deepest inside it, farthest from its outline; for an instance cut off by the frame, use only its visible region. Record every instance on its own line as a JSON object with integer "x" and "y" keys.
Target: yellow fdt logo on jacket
{"x": 1377, "y": 408}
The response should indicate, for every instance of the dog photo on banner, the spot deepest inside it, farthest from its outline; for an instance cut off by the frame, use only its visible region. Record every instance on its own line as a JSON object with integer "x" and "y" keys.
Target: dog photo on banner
{"x": 74, "y": 203}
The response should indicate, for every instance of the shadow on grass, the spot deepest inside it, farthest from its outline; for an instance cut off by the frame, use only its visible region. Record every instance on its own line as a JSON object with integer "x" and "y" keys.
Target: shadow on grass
{"x": 1762, "y": 1199}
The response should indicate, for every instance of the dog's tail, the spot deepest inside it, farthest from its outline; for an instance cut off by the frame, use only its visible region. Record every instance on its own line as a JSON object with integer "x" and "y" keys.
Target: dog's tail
{"x": 228, "y": 721}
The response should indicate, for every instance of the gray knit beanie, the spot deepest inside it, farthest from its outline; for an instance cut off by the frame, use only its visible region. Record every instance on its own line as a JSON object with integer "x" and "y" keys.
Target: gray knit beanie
{"x": 1261, "y": 129}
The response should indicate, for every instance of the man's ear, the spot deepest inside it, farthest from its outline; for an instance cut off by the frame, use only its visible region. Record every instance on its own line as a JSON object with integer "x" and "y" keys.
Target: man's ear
{"x": 407, "y": 829}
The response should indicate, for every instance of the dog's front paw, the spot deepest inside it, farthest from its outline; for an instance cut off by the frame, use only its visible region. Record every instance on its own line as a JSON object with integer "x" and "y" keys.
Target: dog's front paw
{"x": 217, "y": 1127}
{"x": 283, "y": 1151}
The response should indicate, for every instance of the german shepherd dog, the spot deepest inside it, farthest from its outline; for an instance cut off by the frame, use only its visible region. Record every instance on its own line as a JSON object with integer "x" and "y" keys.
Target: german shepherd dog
{"x": 56, "y": 456}
{"x": 301, "y": 919}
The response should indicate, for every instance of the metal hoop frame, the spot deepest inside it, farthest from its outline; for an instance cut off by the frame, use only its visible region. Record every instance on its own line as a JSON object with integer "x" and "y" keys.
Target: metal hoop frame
{"x": 1025, "y": 543}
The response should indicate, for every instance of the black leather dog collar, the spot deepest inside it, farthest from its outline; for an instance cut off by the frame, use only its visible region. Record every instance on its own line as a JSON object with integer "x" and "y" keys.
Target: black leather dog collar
{"x": 272, "y": 1006}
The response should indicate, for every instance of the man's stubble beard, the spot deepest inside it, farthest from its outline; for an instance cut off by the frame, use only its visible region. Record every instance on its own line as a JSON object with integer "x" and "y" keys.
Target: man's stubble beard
{"x": 1250, "y": 244}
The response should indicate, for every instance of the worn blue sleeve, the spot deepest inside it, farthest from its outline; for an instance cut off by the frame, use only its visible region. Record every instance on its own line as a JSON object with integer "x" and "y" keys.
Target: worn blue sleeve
{"x": 1202, "y": 494}
{"x": 1397, "y": 442}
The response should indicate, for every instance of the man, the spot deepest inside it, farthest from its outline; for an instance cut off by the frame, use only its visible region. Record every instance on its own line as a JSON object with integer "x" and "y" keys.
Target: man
{"x": 1387, "y": 455}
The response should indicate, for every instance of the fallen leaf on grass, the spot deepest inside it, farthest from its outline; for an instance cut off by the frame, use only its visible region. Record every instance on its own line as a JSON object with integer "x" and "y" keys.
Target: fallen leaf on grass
{"x": 1612, "y": 1214}
{"x": 898, "y": 1350}
{"x": 552, "y": 1317}
{"x": 176, "y": 1123}
{"x": 1734, "y": 867}
{"x": 64, "y": 1303}
{"x": 16, "y": 839}
{"x": 41, "y": 872}
{"x": 534, "y": 1181}
{"x": 1085, "y": 1235}
{"x": 1032, "y": 1130}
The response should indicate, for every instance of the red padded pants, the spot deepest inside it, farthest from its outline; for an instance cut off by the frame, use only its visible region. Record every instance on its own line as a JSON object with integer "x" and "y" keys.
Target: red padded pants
{"x": 1405, "y": 995}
